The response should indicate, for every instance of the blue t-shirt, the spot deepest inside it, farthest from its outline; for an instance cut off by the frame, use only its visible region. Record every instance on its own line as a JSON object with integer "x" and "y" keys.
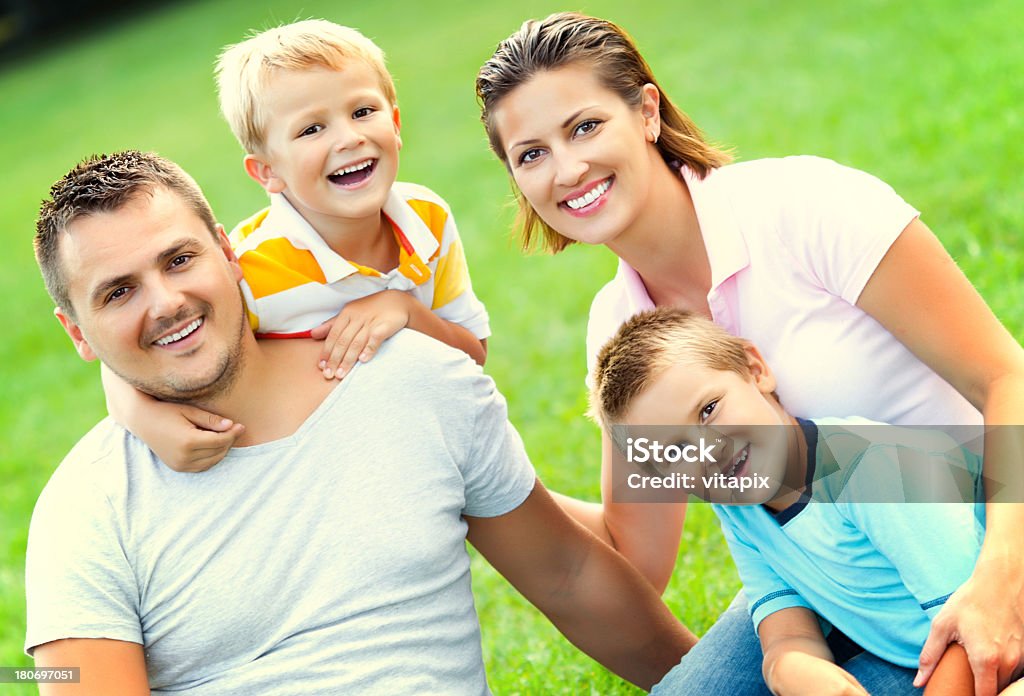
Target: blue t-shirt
{"x": 877, "y": 571}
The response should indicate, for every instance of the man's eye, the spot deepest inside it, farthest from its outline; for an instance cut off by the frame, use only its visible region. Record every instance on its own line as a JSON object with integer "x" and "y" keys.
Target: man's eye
{"x": 117, "y": 294}
{"x": 180, "y": 260}
{"x": 310, "y": 130}
{"x": 586, "y": 127}
{"x": 362, "y": 112}
{"x": 530, "y": 155}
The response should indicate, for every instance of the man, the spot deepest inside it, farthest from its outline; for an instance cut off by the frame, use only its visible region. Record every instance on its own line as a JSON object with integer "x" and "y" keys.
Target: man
{"x": 326, "y": 553}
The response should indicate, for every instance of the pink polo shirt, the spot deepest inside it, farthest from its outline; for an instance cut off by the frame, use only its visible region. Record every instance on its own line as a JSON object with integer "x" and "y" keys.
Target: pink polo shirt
{"x": 792, "y": 242}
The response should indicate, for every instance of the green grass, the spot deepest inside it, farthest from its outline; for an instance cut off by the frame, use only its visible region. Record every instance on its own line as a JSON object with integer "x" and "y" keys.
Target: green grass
{"x": 926, "y": 96}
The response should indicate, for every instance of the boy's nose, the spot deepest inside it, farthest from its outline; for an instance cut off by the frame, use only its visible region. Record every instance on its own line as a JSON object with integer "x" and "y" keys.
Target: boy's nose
{"x": 348, "y": 138}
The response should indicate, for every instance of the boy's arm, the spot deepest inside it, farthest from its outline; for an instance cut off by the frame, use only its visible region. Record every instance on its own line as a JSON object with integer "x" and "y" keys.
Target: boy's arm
{"x": 184, "y": 437}
{"x": 105, "y": 667}
{"x": 592, "y": 594}
{"x": 362, "y": 325}
{"x": 796, "y": 658}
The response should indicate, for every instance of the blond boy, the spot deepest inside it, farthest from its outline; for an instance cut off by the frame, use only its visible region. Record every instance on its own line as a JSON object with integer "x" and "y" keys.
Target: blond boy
{"x": 344, "y": 252}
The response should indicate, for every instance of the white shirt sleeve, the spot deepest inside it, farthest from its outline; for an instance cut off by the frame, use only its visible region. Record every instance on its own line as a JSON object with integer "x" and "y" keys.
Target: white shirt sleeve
{"x": 838, "y": 222}
{"x": 77, "y": 578}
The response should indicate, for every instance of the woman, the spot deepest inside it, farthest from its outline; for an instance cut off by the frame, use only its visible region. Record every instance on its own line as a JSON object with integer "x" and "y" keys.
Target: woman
{"x": 800, "y": 255}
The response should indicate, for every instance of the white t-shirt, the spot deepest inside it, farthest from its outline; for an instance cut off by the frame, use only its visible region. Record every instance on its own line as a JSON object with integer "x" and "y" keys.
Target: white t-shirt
{"x": 332, "y": 561}
{"x": 792, "y": 243}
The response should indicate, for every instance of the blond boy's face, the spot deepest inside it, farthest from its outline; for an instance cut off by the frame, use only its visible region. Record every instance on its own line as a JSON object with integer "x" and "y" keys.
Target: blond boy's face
{"x": 331, "y": 146}
{"x": 736, "y": 413}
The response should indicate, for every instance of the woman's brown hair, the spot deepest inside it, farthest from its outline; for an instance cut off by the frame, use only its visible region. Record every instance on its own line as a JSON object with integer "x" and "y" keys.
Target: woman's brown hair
{"x": 568, "y": 38}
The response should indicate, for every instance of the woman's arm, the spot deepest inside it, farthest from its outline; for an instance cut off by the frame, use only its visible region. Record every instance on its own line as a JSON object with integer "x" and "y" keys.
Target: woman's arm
{"x": 921, "y": 296}
{"x": 647, "y": 534}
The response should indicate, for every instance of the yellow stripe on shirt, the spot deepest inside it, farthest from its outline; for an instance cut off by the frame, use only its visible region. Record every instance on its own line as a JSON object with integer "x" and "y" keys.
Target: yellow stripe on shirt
{"x": 276, "y": 265}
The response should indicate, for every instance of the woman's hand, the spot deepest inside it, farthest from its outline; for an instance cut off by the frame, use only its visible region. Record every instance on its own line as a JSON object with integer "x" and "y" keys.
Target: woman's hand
{"x": 986, "y": 615}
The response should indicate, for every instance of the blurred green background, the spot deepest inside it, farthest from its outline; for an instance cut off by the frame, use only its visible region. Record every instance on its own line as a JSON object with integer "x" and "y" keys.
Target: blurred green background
{"x": 926, "y": 96}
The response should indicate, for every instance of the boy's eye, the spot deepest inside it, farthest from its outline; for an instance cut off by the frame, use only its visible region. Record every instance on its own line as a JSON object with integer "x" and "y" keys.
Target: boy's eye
{"x": 530, "y": 155}
{"x": 362, "y": 112}
{"x": 706, "y": 412}
{"x": 585, "y": 127}
{"x": 310, "y": 130}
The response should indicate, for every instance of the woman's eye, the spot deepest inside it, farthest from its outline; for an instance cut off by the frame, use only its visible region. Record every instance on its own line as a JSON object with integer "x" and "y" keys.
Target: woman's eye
{"x": 706, "y": 412}
{"x": 585, "y": 127}
{"x": 362, "y": 113}
{"x": 530, "y": 155}
{"x": 310, "y": 130}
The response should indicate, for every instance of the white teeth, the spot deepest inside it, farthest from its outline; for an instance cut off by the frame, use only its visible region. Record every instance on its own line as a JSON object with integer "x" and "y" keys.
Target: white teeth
{"x": 590, "y": 196}
{"x": 167, "y": 340}
{"x": 739, "y": 462}
{"x": 354, "y": 168}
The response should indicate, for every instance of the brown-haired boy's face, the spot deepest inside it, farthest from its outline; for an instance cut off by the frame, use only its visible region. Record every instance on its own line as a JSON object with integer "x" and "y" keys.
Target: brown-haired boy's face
{"x": 736, "y": 413}
{"x": 331, "y": 144}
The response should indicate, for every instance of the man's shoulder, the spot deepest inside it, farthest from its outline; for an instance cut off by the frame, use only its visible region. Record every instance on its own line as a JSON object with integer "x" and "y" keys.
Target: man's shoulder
{"x": 96, "y": 466}
{"x": 412, "y": 357}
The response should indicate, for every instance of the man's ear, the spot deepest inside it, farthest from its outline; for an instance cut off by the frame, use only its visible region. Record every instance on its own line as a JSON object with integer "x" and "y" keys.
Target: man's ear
{"x": 762, "y": 375}
{"x": 74, "y": 332}
{"x": 260, "y": 171}
{"x": 229, "y": 253}
{"x": 396, "y": 118}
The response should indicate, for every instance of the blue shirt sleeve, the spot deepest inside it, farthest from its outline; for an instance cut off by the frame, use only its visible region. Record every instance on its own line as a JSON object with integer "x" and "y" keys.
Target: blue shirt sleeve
{"x": 766, "y": 592}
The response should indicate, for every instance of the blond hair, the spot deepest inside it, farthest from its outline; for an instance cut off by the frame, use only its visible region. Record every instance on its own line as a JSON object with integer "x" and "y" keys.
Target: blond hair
{"x": 244, "y": 69}
{"x": 646, "y": 346}
{"x": 568, "y": 38}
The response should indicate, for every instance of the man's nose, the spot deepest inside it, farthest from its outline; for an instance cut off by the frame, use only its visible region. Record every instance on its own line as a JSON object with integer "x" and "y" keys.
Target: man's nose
{"x": 166, "y": 299}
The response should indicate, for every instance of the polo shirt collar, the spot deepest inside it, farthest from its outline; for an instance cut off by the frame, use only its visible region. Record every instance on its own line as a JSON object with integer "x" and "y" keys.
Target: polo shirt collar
{"x": 413, "y": 234}
{"x": 723, "y": 240}
{"x": 417, "y": 242}
{"x": 286, "y": 221}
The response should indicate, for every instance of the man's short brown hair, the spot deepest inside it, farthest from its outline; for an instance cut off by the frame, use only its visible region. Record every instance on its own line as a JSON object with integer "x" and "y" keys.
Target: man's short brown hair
{"x": 104, "y": 184}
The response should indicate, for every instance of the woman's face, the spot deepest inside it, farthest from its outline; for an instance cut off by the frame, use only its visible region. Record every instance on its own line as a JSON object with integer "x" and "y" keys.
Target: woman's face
{"x": 581, "y": 155}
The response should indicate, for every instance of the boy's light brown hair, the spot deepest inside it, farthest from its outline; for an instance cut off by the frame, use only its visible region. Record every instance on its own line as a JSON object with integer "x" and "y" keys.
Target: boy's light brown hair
{"x": 646, "y": 346}
{"x": 244, "y": 69}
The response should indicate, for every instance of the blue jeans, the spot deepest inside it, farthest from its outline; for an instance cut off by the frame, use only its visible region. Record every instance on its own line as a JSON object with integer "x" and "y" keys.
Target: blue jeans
{"x": 727, "y": 662}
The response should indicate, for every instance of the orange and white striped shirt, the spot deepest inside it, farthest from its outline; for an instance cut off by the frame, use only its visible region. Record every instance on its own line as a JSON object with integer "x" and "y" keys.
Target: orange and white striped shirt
{"x": 294, "y": 281}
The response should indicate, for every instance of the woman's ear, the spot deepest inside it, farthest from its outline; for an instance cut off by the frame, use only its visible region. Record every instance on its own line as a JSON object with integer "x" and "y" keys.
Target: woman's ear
{"x": 650, "y": 112}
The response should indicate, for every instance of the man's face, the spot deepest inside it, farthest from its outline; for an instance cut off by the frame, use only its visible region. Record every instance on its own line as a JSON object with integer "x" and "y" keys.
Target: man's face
{"x": 155, "y": 297}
